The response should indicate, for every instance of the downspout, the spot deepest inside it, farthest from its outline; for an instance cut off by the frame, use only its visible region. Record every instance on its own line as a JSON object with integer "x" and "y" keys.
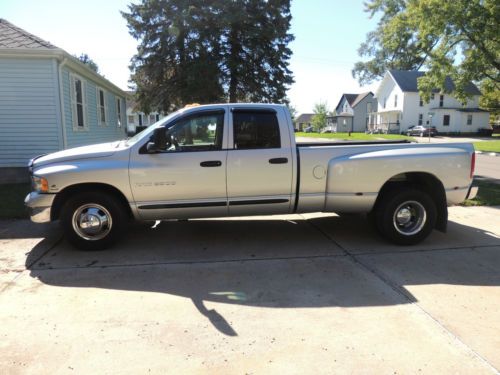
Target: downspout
{"x": 61, "y": 102}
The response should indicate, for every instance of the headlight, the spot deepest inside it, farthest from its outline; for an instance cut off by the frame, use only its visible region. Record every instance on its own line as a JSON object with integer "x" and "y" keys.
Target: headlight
{"x": 40, "y": 184}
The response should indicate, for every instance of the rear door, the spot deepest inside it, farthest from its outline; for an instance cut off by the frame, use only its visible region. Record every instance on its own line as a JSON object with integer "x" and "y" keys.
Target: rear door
{"x": 259, "y": 163}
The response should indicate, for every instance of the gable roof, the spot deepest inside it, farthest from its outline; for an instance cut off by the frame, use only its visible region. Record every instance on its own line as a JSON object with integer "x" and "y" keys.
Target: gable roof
{"x": 12, "y": 36}
{"x": 354, "y": 99}
{"x": 304, "y": 117}
{"x": 407, "y": 80}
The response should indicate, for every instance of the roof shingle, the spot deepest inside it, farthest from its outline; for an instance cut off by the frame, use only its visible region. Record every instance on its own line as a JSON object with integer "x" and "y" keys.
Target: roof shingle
{"x": 12, "y": 36}
{"x": 407, "y": 81}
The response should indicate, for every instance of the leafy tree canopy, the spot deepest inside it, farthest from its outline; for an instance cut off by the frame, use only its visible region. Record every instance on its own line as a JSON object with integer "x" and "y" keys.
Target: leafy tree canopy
{"x": 458, "y": 38}
{"x": 84, "y": 58}
{"x": 320, "y": 115}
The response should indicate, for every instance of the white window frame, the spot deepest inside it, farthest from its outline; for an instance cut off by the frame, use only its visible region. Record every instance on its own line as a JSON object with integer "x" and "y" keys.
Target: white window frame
{"x": 74, "y": 116}
{"x": 119, "y": 112}
{"x": 469, "y": 117}
{"x": 420, "y": 102}
{"x": 98, "y": 102}
{"x": 369, "y": 107}
{"x": 395, "y": 100}
{"x": 131, "y": 117}
{"x": 420, "y": 119}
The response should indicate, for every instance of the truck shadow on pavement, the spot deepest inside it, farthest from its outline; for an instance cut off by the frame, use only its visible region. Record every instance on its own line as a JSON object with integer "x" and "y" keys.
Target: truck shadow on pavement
{"x": 319, "y": 262}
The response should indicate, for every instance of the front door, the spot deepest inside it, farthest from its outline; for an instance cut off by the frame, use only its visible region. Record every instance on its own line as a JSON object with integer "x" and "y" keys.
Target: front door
{"x": 188, "y": 178}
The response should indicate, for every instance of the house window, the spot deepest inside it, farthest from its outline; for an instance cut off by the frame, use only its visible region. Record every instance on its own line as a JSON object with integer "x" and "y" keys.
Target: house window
{"x": 421, "y": 103}
{"x": 469, "y": 119}
{"x": 441, "y": 100}
{"x": 385, "y": 102}
{"x": 395, "y": 101}
{"x": 420, "y": 119}
{"x": 118, "y": 112}
{"x": 369, "y": 107}
{"x": 157, "y": 117}
{"x": 140, "y": 119}
{"x": 131, "y": 119}
{"x": 446, "y": 120}
{"x": 101, "y": 107}
{"x": 432, "y": 96}
{"x": 152, "y": 119}
{"x": 78, "y": 102}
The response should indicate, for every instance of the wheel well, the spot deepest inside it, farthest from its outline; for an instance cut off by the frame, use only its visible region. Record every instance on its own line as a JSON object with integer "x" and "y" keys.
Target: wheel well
{"x": 425, "y": 182}
{"x": 69, "y": 191}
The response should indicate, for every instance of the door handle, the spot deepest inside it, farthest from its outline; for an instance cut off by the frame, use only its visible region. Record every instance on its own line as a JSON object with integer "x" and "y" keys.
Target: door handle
{"x": 278, "y": 161}
{"x": 211, "y": 163}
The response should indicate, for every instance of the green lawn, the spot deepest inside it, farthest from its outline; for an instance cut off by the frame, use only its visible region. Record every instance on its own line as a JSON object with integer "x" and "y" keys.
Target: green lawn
{"x": 12, "y": 202}
{"x": 488, "y": 146}
{"x": 354, "y": 136}
{"x": 488, "y": 195}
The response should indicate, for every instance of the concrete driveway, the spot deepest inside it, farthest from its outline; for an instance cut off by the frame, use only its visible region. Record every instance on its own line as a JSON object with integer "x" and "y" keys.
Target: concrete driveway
{"x": 283, "y": 294}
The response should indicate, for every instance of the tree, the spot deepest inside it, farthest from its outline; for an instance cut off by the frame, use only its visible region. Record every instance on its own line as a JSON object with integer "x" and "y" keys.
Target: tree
{"x": 84, "y": 58}
{"x": 320, "y": 115}
{"x": 199, "y": 51}
{"x": 455, "y": 38}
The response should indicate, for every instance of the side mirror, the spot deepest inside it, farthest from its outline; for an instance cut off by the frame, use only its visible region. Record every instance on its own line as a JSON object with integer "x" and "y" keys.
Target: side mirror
{"x": 159, "y": 141}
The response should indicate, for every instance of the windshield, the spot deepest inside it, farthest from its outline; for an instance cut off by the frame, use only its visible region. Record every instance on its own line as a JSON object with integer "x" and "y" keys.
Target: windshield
{"x": 150, "y": 129}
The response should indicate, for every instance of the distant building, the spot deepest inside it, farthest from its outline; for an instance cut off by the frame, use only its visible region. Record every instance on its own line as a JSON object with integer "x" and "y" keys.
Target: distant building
{"x": 400, "y": 106}
{"x": 303, "y": 121}
{"x": 352, "y": 113}
{"x": 137, "y": 120}
{"x": 50, "y": 101}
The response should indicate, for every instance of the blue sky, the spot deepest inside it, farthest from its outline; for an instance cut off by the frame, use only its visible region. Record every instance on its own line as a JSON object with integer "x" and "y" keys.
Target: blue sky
{"x": 328, "y": 34}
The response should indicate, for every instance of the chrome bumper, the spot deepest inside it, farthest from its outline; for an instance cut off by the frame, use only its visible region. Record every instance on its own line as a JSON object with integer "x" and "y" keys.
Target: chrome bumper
{"x": 471, "y": 194}
{"x": 39, "y": 206}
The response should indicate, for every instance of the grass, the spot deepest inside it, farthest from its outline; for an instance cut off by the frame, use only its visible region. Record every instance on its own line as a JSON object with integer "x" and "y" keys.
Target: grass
{"x": 488, "y": 146}
{"x": 12, "y": 201}
{"x": 354, "y": 136}
{"x": 488, "y": 195}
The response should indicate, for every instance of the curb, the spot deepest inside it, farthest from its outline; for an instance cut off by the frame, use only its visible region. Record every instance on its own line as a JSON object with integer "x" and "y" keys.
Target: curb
{"x": 488, "y": 153}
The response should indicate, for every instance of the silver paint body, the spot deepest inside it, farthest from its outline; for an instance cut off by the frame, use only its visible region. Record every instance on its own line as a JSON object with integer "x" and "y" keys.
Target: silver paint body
{"x": 345, "y": 178}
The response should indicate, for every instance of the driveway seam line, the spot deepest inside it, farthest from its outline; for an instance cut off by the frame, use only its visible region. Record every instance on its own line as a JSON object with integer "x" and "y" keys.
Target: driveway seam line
{"x": 412, "y": 301}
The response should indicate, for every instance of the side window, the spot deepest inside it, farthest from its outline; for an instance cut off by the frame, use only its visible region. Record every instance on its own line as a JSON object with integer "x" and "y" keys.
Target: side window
{"x": 253, "y": 130}
{"x": 202, "y": 132}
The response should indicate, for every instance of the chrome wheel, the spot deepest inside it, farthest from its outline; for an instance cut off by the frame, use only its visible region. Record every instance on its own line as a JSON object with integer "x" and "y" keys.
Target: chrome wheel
{"x": 92, "y": 222}
{"x": 409, "y": 218}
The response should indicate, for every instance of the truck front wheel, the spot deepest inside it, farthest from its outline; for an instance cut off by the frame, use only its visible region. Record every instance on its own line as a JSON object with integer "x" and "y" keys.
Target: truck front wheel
{"x": 406, "y": 216}
{"x": 93, "y": 220}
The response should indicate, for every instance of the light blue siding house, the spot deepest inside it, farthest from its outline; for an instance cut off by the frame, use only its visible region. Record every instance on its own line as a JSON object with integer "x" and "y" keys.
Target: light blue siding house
{"x": 50, "y": 101}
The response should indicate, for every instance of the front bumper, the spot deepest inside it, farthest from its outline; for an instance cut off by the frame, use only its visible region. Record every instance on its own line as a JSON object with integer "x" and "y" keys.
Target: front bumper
{"x": 39, "y": 206}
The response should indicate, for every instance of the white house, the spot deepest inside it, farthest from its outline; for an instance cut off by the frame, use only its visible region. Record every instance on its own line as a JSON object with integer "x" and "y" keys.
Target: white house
{"x": 352, "y": 113}
{"x": 400, "y": 106}
{"x": 137, "y": 120}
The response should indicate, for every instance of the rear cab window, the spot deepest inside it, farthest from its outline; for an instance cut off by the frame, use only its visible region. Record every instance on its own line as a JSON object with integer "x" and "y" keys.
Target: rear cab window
{"x": 255, "y": 129}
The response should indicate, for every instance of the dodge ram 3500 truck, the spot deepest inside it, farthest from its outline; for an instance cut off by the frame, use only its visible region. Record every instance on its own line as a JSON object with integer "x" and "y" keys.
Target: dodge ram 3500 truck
{"x": 238, "y": 160}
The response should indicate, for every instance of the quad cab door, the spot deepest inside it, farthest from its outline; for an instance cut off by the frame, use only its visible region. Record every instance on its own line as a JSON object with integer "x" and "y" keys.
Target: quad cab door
{"x": 187, "y": 179}
{"x": 259, "y": 163}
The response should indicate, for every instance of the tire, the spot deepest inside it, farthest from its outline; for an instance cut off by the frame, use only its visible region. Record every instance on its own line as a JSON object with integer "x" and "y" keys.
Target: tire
{"x": 405, "y": 216}
{"x": 104, "y": 215}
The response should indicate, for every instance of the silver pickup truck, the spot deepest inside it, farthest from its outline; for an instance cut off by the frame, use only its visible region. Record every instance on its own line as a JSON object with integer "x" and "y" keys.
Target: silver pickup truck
{"x": 239, "y": 160}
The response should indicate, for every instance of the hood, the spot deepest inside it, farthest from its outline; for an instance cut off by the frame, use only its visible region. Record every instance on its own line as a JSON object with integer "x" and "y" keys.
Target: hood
{"x": 78, "y": 153}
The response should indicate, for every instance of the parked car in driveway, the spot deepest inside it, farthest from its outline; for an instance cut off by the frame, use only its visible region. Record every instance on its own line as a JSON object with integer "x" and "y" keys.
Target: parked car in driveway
{"x": 309, "y": 129}
{"x": 226, "y": 160}
{"x": 422, "y": 131}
